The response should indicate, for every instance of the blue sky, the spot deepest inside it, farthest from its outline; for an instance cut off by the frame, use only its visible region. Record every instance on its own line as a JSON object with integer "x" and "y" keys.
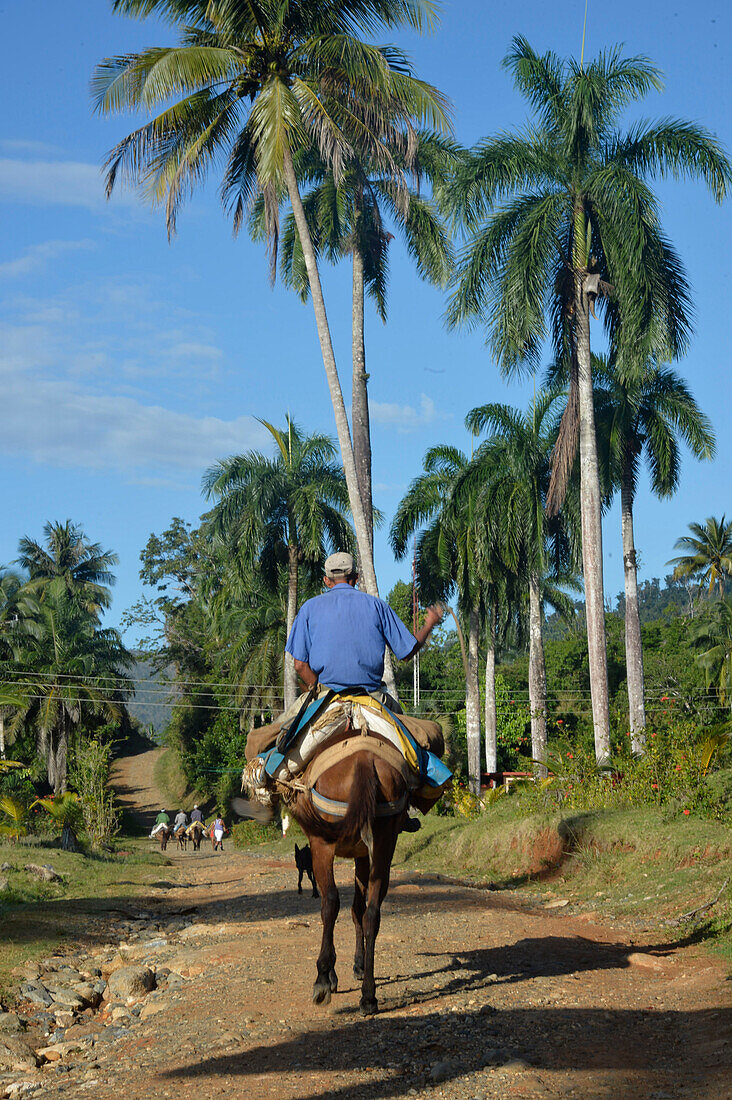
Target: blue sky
{"x": 128, "y": 364}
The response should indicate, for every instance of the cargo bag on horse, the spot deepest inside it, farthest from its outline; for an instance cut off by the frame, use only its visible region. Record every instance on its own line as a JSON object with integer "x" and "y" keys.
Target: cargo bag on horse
{"x": 290, "y": 755}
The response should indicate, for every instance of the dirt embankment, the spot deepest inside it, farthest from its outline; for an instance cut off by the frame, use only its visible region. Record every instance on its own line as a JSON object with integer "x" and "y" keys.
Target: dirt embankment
{"x": 132, "y": 777}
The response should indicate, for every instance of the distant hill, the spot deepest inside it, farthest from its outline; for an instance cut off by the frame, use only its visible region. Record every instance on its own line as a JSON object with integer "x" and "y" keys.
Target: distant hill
{"x": 152, "y": 702}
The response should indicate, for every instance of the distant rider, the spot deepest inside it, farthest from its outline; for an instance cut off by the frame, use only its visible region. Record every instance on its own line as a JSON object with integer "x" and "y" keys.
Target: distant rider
{"x": 196, "y": 815}
{"x": 181, "y": 821}
{"x": 161, "y": 821}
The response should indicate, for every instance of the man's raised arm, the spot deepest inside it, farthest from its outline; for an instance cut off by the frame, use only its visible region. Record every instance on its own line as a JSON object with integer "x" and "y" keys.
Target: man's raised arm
{"x": 433, "y": 617}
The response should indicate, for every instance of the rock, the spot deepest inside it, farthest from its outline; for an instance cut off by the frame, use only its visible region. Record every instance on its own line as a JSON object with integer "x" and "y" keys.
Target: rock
{"x": 66, "y": 998}
{"x": 646, "y": 962}
{"x": 88, "y": 993}
{"x": 15, "y": 1054}
{"x": 116, "y": 964}
{"x": 6, "y": 866}
{"x": 46, "y": 872}
{"x": 558, "y": 904}
{"x": 36, "y": 993}
{"x": 58, "y": 1051}
{"x": 3, "y": 884}
{"x": 131, "y": 981}
{"x": 152, "y": 1009}
{"x": 441, "y": 1071}
{"x": 9, "y": 1021}
{"x": 21, "y": 1088}
{"x": 516, "y": 1065}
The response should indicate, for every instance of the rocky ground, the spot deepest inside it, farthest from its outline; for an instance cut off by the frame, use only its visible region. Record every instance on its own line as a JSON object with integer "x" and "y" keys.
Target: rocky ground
{"x": 202, "y": 989}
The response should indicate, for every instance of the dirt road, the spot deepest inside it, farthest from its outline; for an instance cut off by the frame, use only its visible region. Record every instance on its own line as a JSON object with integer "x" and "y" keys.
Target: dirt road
{"x": 480, "y": 998}
{"x": 132, "y": 778}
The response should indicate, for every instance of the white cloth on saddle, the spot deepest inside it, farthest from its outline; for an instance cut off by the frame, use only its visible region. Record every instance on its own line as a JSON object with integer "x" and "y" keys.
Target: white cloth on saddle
{"x": 156, "y": 828}
{"x": 332, "y": 722}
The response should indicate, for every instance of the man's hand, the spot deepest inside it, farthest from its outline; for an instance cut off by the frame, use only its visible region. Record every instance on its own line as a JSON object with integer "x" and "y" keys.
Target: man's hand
{"x": 433, "y": 616}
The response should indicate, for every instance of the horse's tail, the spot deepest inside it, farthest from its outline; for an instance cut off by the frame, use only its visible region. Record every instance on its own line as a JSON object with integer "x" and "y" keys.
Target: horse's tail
{"x": 361, "y": 807}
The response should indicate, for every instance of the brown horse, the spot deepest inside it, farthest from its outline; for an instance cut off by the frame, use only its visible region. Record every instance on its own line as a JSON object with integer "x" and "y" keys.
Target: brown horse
{"x": 195, "y": 833}
{"x": 165, "y": 834}
{"x": 182, "y": 837}
{"x": 369, "y": 796}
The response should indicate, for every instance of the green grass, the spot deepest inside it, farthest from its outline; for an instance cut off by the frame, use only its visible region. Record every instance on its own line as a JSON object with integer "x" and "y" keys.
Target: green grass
{"x": 36, "y": 918}
{"x": 170, "y": 779}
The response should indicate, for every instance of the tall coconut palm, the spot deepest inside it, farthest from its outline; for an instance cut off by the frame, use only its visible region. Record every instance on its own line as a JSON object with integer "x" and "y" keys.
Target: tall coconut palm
{"x": 260, "y": 81}
{"x": 352, "y": 217}
{"x": 68, "y": 566}
{"x": 513, "y": 466}
{"x": 709, "y": 556}
{"x": 285, "y": 510}
{"x": 447, "y": 547}
{"x": 644, "y": 413}
{"x": 559, "y": 216}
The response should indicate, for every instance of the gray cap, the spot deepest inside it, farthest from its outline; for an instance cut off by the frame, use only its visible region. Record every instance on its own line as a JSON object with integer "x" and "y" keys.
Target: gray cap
{"x": 339, "y": 565}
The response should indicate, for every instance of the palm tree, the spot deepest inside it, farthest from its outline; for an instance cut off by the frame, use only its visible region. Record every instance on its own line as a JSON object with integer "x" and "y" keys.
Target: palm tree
{"x": 644, "y": 413}
{"x": 559, "y": 217}
{"x": 709, "y": 557}
{"x": 513, "y": 466}
{"x": 261, "y": 81}
{"x": 74, "y": 671}
{"x": 68, "y": 566}
{"x": 350, "y": 217}
{"x": 447, "y": 549}
{"x": 713, "y": 636}
{"x": 282, "y": 510}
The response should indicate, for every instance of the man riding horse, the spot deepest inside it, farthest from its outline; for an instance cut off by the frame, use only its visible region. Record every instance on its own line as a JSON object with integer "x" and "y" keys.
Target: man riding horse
{"x": 365, "y": 763}
{"x": 338, "y": 641}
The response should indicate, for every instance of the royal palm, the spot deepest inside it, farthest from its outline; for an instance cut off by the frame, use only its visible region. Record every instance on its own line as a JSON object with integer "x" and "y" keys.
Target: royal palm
{"x": 644, "y": 412}
{"x": 559, "y": 217}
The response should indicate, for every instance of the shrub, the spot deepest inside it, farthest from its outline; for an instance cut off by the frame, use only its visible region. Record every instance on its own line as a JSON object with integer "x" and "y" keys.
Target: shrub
{"x": 89, "y": 773}
{"x": 247, "y": 834}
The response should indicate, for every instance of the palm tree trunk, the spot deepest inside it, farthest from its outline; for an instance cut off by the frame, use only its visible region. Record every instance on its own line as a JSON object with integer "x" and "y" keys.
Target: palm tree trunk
{"x": 537, "y": 675}
{"x": 2, "y": 737}
{"x": 290, "y": 677}
{"x": 591, "y": 514}
{"x": 491, "y": 726}
{"x": 366, "y": 560}
{"x": 633, "y": 640}
{"x": 472, "y": 703}
{"x": 60, "y": 755}
{"x": 360, "y": 399}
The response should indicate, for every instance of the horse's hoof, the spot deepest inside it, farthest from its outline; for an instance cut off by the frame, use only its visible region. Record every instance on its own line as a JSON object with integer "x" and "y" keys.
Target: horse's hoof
{"x": 358, "y": 971}
{"x": 321, "y": 994}
{"x": 333, "y": 979}
{"x": 369, "y": 1008}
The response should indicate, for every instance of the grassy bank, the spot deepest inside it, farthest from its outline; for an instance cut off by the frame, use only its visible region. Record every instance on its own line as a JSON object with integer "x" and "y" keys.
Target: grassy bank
{"x": 636, "y": 866}
{"x": 170, "y": 779}
{"x": 37, "y": 917}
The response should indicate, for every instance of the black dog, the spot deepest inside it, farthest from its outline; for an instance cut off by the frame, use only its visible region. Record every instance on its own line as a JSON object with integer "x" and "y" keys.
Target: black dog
{"x": 304, "y": 864}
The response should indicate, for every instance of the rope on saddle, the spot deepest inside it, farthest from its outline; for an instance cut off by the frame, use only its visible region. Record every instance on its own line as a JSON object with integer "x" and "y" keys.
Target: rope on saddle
{"x": 339, "y": 809}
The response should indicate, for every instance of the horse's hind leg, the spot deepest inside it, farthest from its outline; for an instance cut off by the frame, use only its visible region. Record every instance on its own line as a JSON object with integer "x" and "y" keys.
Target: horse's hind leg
{"x": 358, "y": 909}
{"x": 323, "y": 856}
{"x": 378, "y": 884}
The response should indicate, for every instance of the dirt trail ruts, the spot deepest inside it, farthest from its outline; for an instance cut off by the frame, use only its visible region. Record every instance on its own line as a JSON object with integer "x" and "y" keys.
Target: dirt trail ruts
{"x": 132, "y": 779}
{"x": 480, "y": 998}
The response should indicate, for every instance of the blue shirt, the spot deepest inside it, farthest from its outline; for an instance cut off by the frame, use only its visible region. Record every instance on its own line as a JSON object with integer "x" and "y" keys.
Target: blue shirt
{"x": 342, "y": 635}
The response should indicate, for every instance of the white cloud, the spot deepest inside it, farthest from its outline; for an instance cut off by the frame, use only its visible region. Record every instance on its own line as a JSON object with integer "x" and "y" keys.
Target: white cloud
{"x": 38, "y": 256}
{"x": 57, "y": 422}
{"x": 405, "y": 418}
{"x": 57, "y": 182}
{"x": 65, "y": 369}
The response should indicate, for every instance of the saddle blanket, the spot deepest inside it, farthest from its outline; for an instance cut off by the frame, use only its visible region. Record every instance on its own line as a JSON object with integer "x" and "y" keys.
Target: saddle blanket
{"x": 329, "y": 716}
